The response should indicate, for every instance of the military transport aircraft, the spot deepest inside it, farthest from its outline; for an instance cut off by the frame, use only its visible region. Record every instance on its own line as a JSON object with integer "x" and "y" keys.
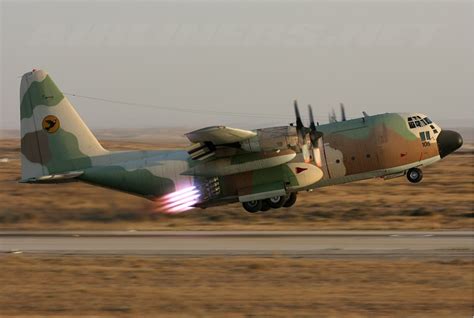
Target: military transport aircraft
{"x": 263, "y": 168}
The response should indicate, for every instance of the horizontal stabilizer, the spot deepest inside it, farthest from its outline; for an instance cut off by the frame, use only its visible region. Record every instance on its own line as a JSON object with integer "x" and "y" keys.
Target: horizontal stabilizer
{"x": 55, "y": 178}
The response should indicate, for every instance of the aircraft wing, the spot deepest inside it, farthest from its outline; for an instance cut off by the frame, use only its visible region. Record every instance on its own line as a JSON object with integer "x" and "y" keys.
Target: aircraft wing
{"x": 219, "y": 135}
{"x": 206, "y": 140}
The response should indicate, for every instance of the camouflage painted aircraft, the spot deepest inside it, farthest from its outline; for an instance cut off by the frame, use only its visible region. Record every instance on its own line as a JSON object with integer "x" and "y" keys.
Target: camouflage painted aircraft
{"x": 263, "y": 168}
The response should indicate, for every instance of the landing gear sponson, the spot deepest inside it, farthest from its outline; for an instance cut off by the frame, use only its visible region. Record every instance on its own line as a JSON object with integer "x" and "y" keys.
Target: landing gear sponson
{"x": 271, "y": 203}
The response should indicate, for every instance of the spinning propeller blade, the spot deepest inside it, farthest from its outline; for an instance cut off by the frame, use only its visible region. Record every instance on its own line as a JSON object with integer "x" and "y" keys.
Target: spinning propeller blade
{"x": 343, "y": 112}
{"x": 300, "y": 128}
{"x": 314, "y": 134}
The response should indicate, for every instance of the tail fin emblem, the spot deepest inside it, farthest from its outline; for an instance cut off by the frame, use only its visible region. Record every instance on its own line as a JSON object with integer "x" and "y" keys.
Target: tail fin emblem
{"x": 51, "y": 124}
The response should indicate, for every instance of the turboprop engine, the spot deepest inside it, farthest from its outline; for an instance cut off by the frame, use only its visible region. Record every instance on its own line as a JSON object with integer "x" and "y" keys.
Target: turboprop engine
{"x": 291, "y": 177}
{"x": 263, "y": 164}
{"x": 271, "y": 139}
{"x": 301, "y": 139}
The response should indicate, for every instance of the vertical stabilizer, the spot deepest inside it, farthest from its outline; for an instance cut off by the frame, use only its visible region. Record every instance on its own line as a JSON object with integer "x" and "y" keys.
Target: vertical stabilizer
{"x": 54, "y": 139}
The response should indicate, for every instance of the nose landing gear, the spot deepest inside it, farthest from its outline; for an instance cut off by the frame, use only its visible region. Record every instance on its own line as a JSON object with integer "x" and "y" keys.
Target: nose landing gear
{"x": 272, "y": 203}
{"x": 414, "y": 175}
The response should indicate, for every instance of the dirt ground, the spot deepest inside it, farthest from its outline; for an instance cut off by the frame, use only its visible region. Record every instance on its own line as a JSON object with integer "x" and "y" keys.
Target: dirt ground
{"x": 117, "y": 286}
{"x": 444, "y": 200}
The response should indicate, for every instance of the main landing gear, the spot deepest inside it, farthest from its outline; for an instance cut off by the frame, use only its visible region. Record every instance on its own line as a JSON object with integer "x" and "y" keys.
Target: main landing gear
{"x": 414, "y": 175}
{"x": 271, "y": 203}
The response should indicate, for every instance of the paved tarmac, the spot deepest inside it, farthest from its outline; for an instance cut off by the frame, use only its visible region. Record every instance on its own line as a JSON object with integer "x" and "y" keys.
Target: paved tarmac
{"x": 316, "y": 244}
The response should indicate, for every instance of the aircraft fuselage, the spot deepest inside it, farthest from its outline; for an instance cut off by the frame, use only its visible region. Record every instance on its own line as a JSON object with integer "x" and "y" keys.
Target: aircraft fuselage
{"x": 375, "y": 146}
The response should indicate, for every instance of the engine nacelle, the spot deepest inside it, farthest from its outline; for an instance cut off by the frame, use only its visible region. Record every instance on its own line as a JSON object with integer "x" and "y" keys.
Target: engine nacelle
{"x": 274, "y": 138}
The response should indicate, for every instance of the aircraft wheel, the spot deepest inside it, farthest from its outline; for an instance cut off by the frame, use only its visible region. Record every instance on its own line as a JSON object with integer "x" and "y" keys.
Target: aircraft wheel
{"x": 414, "y": 175}
{"x": 276, "y": 202}
{"x": 252, "y": 206}
{"x": 291, "y": 200}
{"x": 265, "y": 206}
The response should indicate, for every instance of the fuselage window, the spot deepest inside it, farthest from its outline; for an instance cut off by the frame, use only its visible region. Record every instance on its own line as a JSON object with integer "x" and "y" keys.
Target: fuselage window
{"x": 428, "y": 120}
{"x": 422, "y": 136}
{"x": 417, "y": 123}
{"x": 435, "y": 131}
{"x": 410, "y": 119}
{"x": 412, "y": 124}
{"x": 428, "y": 137}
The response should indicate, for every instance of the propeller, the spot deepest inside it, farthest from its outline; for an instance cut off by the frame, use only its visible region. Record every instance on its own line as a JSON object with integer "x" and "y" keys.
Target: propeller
{"x": 332, "y": 117}
{"x": 300, "y": 128}
{"x": 343, "y": 112}
{"x": 314, "y": 134}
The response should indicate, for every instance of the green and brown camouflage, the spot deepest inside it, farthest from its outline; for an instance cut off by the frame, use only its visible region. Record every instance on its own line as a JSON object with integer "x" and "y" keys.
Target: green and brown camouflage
{"x": 223, "y": 164}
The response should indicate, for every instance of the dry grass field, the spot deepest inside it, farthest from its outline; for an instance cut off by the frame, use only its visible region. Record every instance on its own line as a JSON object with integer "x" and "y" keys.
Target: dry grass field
{"x": 118, "y": 286}
{"x": 444, "y": 200}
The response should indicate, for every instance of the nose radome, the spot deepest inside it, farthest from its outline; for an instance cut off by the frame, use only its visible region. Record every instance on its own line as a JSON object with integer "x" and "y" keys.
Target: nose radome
{"x": 448, "y": 141}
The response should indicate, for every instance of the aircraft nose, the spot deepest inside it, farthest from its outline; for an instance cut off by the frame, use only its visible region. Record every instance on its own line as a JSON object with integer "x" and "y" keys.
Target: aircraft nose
{"x": 448, "y": 141}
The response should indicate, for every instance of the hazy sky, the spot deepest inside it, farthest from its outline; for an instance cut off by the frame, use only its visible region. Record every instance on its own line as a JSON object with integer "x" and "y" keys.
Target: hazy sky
{"x": 242, "y": 57}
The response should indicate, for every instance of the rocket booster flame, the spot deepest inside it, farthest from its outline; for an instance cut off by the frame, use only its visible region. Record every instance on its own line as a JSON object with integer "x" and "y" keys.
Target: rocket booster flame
{"x": 179, "y": 201}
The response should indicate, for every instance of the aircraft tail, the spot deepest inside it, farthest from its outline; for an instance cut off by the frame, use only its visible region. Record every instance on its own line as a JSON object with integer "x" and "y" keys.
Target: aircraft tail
{"x": 54, "y": 139}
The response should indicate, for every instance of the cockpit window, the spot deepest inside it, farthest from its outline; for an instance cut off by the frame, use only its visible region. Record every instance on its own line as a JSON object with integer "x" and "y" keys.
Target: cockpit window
{"x": 417, "y": 121}
{"x": 422, "y": 136}
{"x": 435, "y": 131}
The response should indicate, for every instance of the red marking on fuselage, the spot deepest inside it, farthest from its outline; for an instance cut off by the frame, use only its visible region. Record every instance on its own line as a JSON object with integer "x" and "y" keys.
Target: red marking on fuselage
{"x": 299, "y": 170}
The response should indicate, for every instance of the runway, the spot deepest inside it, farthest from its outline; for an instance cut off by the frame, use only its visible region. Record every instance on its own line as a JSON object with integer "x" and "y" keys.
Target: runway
{"x": 316, "y": 244}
